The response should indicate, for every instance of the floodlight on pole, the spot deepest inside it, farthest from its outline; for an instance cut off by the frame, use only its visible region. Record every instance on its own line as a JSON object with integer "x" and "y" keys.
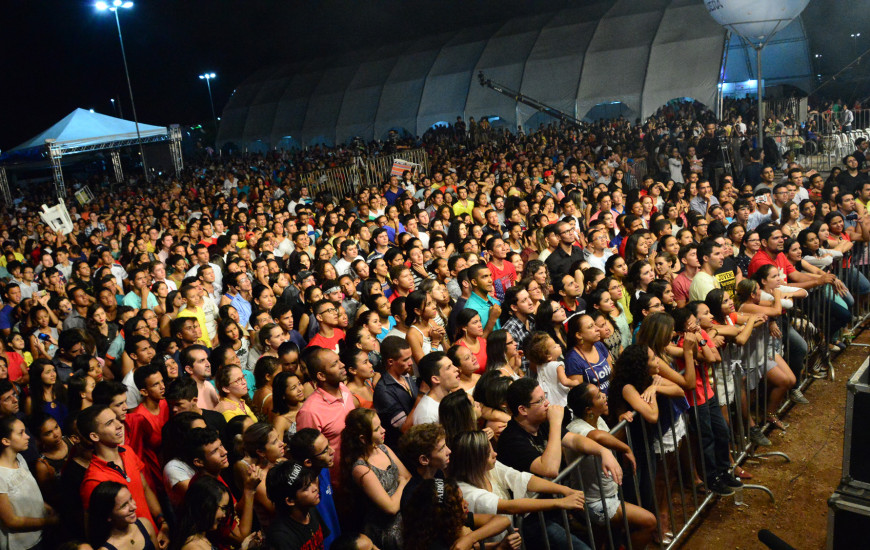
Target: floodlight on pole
{"x": 208, "y": 78}
{"x": 114, "y": 7}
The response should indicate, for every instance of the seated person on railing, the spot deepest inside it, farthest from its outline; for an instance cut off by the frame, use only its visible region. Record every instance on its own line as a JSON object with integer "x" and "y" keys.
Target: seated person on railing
{"x": 589, "y": 405}
{"x": 766, "y": 362}
{"x": 769, "y": 277}
{"x": 490, "y": 487}
{"x": 536, "y": 425}
{"x": 839, "y": 297}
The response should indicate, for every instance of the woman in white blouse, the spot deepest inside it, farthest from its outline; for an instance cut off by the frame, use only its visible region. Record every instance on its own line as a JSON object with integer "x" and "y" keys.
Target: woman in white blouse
{"x": 490, "y": 487}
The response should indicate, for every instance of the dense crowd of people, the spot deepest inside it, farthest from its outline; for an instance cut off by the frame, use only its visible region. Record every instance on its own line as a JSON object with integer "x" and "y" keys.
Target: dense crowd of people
{"x": 230, "y": 359}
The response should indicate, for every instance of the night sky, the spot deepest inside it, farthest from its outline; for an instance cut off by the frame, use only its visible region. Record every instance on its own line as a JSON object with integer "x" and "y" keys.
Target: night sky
{"x": 59, "y": 55}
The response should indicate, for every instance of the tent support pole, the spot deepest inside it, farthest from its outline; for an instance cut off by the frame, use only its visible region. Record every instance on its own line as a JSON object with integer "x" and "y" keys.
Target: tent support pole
{"x": 116, "y": 164}
{"x": 55, "y": 153}
{"x": 4, "y": 188}
{"x": 175, "y": 149}
{"x": 760, "y": 99}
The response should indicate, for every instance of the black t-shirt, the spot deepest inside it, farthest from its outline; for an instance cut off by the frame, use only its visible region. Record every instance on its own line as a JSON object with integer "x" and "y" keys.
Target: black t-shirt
{"x": 849, "y": 183}
{"x": 727, "y": 275}
{"x": 286, "y": 533}
{"x": 518, "y": 448}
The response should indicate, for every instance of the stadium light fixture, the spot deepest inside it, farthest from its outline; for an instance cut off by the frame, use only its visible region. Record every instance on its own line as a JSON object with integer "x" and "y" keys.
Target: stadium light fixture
{"x": 208, "y": 78}
{"x": 114, "y": 7}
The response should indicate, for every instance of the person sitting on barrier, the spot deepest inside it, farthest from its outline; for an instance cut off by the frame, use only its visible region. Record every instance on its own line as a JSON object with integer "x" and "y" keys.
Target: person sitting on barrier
{"x": 436, "y": 517}
{"x": 491, "y": 487}
{"x": 537, "y": 425}
{"x": 589, "y": 405}
{"x": 776, "y": 371}
{"x": 834, "y": 293}
{"x": 855, "y": 240}
{"x": 811, "y": 247}
{"x": 769, "y": 278}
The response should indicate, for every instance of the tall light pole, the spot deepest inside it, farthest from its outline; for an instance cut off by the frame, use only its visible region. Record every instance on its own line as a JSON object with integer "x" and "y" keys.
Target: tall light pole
{"x": 208, "y": 77}
{"x": 114, "y": 7}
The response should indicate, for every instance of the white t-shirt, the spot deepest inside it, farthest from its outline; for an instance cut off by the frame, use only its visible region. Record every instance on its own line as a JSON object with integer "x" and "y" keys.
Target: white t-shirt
{"x": 174, "y": 473}
{"x": 675, "y": 167}
{"x": 426, "y": 411}
{"x": 507, "y": 484}
{"x": 23, "y": 492}
{"x": 548, "y": 378}
{"x": 285, "y": 248}
{"x": 133, "y": 395}
{"x": 588, "y": 469}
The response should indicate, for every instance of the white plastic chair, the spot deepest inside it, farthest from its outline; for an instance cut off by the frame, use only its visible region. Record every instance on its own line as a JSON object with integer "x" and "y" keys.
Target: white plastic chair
{"x": 57, "y": 218}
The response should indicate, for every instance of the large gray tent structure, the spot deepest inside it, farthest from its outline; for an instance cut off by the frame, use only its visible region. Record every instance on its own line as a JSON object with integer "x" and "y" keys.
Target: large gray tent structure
{"x": 640, "y": 54}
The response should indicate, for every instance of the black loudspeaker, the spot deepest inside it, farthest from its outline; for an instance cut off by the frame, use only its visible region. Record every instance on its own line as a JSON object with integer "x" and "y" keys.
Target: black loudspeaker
{"x": 848, "y": 518}
{"x": 856, "y": 437}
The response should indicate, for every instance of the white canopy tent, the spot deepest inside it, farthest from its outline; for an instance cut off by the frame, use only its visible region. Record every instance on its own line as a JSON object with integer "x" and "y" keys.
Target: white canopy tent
{"x": 84, "y": 131}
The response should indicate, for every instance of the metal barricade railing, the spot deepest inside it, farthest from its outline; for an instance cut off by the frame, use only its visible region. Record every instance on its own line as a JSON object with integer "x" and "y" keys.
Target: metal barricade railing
{"x": 741, "y": 384}
{"x": 346, "y": 181}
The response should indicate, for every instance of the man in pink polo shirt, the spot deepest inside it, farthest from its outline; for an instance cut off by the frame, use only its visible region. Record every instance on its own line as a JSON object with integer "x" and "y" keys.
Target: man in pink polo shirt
{"x": 326, "y": 408}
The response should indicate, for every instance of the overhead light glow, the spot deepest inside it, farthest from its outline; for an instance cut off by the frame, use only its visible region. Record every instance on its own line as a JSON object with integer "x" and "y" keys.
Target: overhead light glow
{"x": 102, "y": 6}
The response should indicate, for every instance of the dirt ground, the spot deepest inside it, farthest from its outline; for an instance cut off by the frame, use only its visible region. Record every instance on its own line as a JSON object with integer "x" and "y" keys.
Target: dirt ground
{"x": 814, "y": 442}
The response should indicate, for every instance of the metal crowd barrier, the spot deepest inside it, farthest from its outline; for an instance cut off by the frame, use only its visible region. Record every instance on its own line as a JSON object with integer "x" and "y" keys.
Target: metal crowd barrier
{"x": 346, "y": 181}
{"x": 667, "y": 483}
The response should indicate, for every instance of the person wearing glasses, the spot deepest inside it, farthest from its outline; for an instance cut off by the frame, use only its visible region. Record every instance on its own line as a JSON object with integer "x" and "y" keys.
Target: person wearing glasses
{"x": 328, "y": 334}
{"x": 233, "y": 389}
{"x": 560, "y": 261}
{"x": 598, "y": 252}
{"x": 536, "y": 425}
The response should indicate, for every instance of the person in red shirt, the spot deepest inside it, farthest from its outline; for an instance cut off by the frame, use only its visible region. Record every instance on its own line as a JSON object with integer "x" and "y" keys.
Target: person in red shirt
{"x": 772, "y": 242}
{"x": 401, "y": 281}
{"x": 112, "y": 462}
{"x": 328, "y": 334}
{"x": 146, "y": 422}
{"x": 504, "y": 274}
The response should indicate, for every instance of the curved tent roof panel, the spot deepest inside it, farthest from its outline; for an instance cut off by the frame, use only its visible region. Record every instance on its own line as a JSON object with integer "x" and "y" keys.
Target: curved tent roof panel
{"x": 290, "y": 114}
{"x": 504, "y": 60}
{"x": 552, "y": 71}
{"x": 360, "y": 104}
{"x": 614, "y": 68}
{"x": 688, "y": 42}
{"x": 445, "y": 93}
{"x": 403, "y": 89}
{"x": 324, "y": 104}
